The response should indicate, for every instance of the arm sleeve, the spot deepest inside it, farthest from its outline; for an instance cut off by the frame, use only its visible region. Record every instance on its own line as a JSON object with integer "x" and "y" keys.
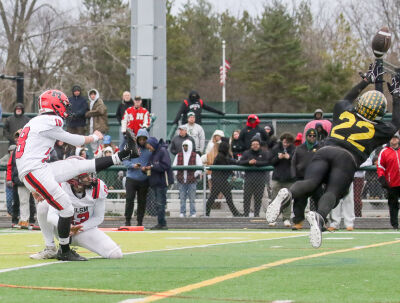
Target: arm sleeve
{"x": 396, "y": 112}
{"x": 146, "y": 120}
{"x": 9, "y": 168}
{"x": 174, "y": 164}
{"x": 98, "y": 215}
{"x": 274, "y": 156}
{"x": 212, "y": 109}
{"x": 100, "y": 111}
{"x": 59, "y": 134}
{"x": 202, "y": 138}
{"x": 163, "y": 164}
{"x": 198, "y": 163}
{"x": 6, "y": 130}
{"x": 380, "y": 164}
{"x": 173, "y": 149}
{"x": 179, "y": 114}
{"x": 293, "y": 164}
{"x": 355, "y": 91}
{"x": 118, "y": 114}
{"x": 124, "y": 122}
{"x": 244, "y": 160}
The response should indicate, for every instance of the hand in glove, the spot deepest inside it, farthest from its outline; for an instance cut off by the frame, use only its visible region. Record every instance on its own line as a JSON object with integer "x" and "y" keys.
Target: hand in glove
{"x": 374, "y": 71}
{"x": 394, "y": 87}
{"x": 383, "y": 182}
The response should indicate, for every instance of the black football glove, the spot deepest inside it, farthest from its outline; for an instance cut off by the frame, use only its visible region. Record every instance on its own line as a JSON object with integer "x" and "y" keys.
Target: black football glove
{"x": 374, "y": 71}
{"x": 394, "y": 87}
{"x": 383, "y": 182}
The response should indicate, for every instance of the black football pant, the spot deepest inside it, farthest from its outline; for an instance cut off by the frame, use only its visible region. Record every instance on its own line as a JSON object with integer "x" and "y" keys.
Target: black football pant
{"x": 133, "y": 187}
{"x": 393, "y": 202}
{"x": 333, "y": 166}
{"x": 300, "y": 204}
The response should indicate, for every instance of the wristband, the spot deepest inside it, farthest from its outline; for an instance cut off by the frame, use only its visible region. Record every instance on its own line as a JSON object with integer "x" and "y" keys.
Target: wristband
{"x": 95, "y": 138}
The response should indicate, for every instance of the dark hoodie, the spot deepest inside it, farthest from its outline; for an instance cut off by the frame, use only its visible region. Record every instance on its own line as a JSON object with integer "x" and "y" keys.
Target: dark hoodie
{"x": 272, "y": 140}
{"x": 14, "y": 123}
{"x": 161, "y": 171}
{"x": 123, "y": 106}
{"x": 223, "y": 158}
{"x": 196, "y": 105}
{"x": 250, "y": 131}
{"x": 79, "y": 107}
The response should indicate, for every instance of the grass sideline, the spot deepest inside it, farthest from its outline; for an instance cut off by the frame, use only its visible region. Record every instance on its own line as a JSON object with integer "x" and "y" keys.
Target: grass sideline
{"x": 160, "y": 262}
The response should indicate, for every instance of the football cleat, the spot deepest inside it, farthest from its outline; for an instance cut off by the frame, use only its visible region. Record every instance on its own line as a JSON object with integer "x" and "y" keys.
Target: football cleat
{"x": 50, "y": 252}
{"x": 275, "y": 207}
{"x": 70, "y": 255}
{"x": 316, "y": 225}
{"x": 131, "y": 144}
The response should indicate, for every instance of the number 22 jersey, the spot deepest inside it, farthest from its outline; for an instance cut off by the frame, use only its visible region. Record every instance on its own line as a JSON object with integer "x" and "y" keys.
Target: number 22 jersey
{"x": 356, "y": 134}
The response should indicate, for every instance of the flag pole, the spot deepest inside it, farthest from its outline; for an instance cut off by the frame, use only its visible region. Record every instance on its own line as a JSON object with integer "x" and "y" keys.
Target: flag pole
{"x": 224, "y": 76}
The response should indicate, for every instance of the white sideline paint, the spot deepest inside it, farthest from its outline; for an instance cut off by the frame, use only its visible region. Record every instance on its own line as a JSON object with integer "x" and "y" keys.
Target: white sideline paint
{"x": 338, "y": 238}
{"x": 157, "y": 250}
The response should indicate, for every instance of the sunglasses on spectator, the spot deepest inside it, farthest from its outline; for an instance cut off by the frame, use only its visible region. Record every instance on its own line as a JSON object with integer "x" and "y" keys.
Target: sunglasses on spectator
{"x": 311, "y": 136}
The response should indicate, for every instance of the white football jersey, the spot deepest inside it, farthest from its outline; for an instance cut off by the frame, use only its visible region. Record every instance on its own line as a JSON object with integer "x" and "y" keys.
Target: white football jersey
{"x": 89, "y": 210}
{"x": 37, "y": 139}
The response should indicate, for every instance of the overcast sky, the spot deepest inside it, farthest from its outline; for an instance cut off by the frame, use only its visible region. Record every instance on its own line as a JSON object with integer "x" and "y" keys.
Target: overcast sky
{"x": 236, "y": 7}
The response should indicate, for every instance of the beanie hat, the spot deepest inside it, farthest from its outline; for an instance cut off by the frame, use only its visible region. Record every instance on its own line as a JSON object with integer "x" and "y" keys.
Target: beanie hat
{"x": 256, "y": 137}
{"x": 311, "y": 131}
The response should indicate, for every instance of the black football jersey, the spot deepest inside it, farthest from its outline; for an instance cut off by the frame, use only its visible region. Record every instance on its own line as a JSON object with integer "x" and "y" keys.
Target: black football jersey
{"x": 355, "y": 134}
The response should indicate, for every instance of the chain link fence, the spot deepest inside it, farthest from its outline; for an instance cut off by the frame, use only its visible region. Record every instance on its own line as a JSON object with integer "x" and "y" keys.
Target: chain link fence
{"x": 228, "y": 191}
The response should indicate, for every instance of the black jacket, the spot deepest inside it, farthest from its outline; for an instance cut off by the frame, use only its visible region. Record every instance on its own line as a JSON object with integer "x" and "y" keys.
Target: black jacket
{"x": 78, "y": 108}
{"x": 14, "y": 172}
{"x": 236, "y": 148}
{"x": 14, "y": 123}
{"x": 301, "y": 158}
{"x": 262, "y": 158}
{"x": 282, "y": 171}
{"x": 196, "y": 105}
{"x": 122, "y": 107}
{"x": 248, "y": 133}
{"x": 222, "y": 158}
{"x": 176, "y": 143}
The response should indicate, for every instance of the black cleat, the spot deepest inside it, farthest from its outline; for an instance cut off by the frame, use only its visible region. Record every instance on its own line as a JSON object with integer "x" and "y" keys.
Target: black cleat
{"x": 70, "y": 255}
{"x": 131, "y": 144}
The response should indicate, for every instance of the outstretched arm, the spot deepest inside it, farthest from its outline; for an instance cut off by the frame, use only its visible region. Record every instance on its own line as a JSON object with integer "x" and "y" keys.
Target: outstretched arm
{"x": 355, "y": 91}
{"x": 394, "y": 89}
{"x": 212, "y": 109}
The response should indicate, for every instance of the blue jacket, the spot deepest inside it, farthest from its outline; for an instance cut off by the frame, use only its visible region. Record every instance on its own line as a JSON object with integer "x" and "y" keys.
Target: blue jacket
{"x": 137, "y": 174}
{"x": 161, "y": 172}
{"x": 79, "y": 107}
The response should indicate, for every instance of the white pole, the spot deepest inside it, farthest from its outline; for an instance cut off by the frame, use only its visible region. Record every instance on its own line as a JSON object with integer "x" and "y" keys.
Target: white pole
{"x": 224, "y": 76}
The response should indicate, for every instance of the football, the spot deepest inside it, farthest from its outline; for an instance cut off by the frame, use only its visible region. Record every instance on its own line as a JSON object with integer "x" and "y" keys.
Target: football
{"x": 381, "y": 42}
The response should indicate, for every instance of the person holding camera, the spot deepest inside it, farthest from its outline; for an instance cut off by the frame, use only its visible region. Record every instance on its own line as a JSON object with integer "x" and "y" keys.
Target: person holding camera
{"x": 281, "y": 158}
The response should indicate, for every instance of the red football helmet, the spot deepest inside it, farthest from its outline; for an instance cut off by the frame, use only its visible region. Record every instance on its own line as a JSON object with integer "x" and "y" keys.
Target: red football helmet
{"x": 54, "y": 101}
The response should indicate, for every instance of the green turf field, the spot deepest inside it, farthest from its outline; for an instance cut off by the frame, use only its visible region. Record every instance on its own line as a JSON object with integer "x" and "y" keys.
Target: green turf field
{"x": 209, "y": 266}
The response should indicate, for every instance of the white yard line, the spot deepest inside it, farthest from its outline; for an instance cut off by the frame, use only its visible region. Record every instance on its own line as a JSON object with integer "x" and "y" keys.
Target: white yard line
{"x": 157, "y": 250}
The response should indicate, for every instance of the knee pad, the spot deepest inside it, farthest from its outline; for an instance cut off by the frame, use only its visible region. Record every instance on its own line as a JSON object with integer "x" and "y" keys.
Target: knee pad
{"x": 116, "y": 254}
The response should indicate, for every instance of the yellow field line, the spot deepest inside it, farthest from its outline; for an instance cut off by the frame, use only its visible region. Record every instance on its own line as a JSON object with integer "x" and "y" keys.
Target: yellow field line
{"x": 240, "y": 273}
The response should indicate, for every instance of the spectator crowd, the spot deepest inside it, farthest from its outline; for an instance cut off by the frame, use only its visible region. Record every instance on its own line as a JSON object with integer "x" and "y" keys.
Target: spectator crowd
{"x": 253, "y": 148}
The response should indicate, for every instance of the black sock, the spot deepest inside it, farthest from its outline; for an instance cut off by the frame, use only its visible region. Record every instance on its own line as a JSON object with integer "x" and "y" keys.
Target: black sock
{"x": 64, "y": 228}
{"x": 103, "y": 163}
